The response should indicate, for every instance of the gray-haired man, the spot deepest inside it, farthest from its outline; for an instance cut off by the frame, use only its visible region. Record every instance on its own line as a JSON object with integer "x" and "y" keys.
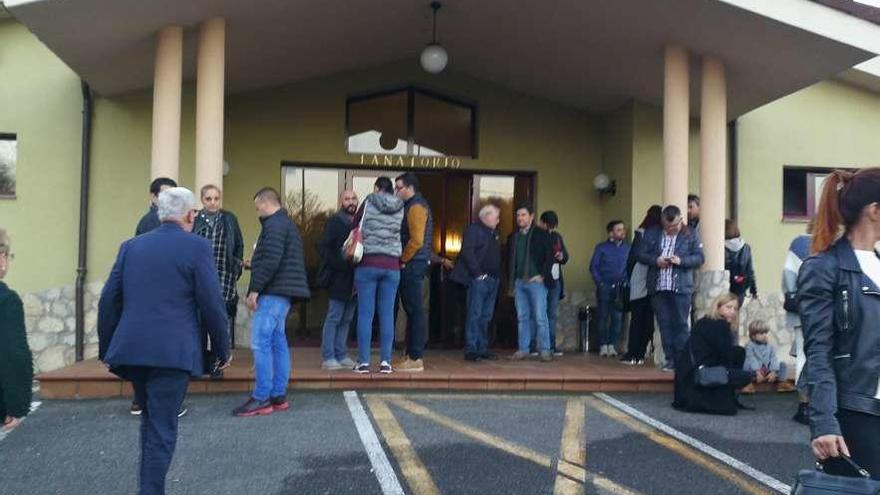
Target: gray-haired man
{"x": 479, "y": 269}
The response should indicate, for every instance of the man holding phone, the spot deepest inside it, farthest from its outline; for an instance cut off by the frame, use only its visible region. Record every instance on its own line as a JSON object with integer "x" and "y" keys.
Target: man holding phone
{"x": 672, "y": 253}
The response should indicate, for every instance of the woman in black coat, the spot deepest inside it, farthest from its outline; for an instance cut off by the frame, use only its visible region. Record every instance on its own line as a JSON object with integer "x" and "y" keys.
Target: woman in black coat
{"x": 712, "y": 344}
{"x": 16, "y": 362}
{"x": 738, "y": 261}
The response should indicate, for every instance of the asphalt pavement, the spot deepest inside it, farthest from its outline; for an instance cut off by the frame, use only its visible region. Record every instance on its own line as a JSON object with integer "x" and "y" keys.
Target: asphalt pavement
{"x": 433, "y": 443}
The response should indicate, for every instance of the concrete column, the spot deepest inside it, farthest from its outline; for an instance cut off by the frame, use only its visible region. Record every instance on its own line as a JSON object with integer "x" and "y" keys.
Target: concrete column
{"x": 209, "y": 102}
{"x": 167, "y": 80}
{"x": 713, "y": 162}
{"x": 676, "y": 127}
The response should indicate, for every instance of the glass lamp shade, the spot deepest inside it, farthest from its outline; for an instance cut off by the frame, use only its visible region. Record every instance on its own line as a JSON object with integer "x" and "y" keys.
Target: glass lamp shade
{"x": 602, "y": 182}
{"x": 434, "y": 58}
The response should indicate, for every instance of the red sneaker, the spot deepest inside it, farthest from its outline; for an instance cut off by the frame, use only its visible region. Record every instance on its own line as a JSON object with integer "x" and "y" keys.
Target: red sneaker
{"x": 279, "y": 403}
{"x": 254, "y": 407}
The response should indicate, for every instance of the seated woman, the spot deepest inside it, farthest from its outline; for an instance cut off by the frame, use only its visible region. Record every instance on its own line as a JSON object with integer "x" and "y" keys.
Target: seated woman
{"x": 16, "y": 363}
{"x": 711, "y": 343}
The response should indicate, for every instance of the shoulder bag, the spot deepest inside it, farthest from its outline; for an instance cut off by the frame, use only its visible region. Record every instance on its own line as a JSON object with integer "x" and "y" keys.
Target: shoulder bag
{"x": 353, "y": 247}
{"x": 709, "y": 376}
{"x": 818, "y": 482}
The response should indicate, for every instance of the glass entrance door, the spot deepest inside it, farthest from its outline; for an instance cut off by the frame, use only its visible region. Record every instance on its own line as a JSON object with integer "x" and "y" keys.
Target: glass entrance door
{"x": 311, "y": 197}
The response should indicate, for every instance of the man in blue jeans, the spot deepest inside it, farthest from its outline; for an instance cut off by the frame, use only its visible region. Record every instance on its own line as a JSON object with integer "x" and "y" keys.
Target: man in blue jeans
{"x": 416, "y": 236}
{"x": 531, "y": 261}
{"x": 278, "y": 277}
{"x": 337, "y": 275}
{"x": 479, "y": 269}
{"x": 672, "y": 253}
{"x": 608, "y": 268}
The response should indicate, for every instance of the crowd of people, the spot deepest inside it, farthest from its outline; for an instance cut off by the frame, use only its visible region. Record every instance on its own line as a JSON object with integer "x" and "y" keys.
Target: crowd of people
{"x": 168, "y": 306}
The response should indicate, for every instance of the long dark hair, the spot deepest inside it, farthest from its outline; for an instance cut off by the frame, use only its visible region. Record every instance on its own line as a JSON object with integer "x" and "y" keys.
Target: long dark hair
{"x": 844, "y": 196}
{"x": 652, "y": 217}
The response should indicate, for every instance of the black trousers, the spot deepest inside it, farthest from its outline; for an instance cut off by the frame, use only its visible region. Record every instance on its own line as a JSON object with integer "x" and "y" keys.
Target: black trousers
{"x": 862, "y": 435}
{"x": 641, "y": 328}
{"x": 211, "y": 354}
{"x": 160, "y": 391}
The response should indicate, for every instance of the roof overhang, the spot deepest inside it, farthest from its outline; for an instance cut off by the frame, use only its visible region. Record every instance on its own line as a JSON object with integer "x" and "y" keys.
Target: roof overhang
{"x": 593, "y": 55}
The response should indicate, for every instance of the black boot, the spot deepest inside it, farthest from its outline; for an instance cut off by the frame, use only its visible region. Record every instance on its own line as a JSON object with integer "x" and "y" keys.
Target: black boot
{"x": 802, "y": 415}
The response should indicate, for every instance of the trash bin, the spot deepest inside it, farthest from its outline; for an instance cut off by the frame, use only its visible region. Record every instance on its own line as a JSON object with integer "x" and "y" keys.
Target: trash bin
{"x": 588, "y": 338}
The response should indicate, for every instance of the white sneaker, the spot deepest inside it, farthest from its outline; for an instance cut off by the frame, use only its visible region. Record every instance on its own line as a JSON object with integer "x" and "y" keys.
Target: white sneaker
{"x": 612, "y": 352}
{"x": 332, "y": 365}
{"x": 347, "y": 363}
{"x": 603, "y": 351}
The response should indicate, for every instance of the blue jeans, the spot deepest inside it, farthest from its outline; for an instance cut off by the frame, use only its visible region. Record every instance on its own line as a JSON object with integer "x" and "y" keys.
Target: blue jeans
{"x": 531, "y": 303}
{"x": 412, "y": 279}
{"x": 610, "y": 317}
{"x": 375, "y": 286}
{"x": 334, "y": 338}
{"x": 672, "y": 311}
{"x": 269, "y": 345}
{"x": 552, "y": 311}
{"x": 481, "y": 307}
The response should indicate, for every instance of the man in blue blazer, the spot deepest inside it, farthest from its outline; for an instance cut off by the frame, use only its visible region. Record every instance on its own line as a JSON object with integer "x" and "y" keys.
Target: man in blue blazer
{"x": 672, "y": 254}
{"x": 162, "y": 287}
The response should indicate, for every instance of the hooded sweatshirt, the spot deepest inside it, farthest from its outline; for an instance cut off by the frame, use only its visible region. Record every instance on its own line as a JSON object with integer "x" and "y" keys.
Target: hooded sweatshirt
{"x": 382, "y": 219}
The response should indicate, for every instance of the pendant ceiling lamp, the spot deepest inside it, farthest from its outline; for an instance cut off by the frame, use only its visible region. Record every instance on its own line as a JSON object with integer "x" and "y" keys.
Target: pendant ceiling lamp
{"x": 434, "y": 57}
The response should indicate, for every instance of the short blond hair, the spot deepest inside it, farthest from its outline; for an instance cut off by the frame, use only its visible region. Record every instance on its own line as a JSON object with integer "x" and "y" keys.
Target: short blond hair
{"x": 5, "y": 243}
{"x": 758, "y": 326}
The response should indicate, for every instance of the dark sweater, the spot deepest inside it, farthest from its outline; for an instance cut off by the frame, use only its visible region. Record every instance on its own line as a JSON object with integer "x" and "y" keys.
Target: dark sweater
{"x": 278, "y": 267}
{"x": 540, "y": 252}
{"x": 480, "y": 255}
{"x": 150, "y": 221}
{"x": 16, "y": 361}
{"x": 337, "y": 272}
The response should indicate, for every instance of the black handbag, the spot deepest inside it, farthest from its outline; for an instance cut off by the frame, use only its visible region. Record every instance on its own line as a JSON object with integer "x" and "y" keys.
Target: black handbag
{"x": 818, "y": 482}
{"x": 791, "y": 302}
{"x": 709, "y": 376}
{"x": 621, "y": 295}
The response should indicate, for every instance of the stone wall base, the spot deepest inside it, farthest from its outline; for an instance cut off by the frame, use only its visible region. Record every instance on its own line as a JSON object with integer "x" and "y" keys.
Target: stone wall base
{"x": 50, "y": 321}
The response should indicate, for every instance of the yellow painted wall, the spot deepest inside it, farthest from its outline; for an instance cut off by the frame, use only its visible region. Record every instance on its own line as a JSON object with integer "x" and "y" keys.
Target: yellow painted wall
{"x": 830, "y": 124}
{"x": 617, "y": 161}
{"x": 40, "y": 101}
{"x": 306, "y": 122}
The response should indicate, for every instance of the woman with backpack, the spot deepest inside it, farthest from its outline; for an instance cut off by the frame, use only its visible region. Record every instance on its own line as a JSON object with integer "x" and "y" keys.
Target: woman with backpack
{"x": 738, "y": 261}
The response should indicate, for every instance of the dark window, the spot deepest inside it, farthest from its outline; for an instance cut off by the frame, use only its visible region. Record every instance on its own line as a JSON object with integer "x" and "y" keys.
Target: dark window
{"x": 410, "y": 121}
{"x": 801, "y": 190}
{"x": 8, "y": 159}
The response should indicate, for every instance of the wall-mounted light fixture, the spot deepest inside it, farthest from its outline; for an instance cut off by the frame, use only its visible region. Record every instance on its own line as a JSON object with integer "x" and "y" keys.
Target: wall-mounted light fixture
{"x": 605, "y": 184}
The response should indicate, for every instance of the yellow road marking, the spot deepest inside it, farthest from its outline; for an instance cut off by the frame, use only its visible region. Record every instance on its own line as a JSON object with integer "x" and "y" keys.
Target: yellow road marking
{"x": 478, "y": 435}
{"x": 468, "y": 396}
{"x": 571, "y": 468}
{"x": 417, "y": 476}
{"x": 679, "y": 448}
{"x": 566, "y": 468}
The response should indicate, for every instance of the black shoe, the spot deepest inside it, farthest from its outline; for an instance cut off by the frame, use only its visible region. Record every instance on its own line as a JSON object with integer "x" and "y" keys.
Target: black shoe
{"x": 254, "y": 407}
{"x": 136, "y": 409}
{"x": 489, "y": 357}
{"x": 471, "y": 356}
{"x": 216, "y": 374}
{"x": 744, "y": 407}
{"x": 182, "y": 411}
{"x": 802, "y": 415}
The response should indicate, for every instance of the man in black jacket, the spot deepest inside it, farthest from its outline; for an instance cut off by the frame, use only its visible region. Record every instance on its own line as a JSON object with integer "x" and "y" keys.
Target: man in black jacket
{"x": 337, "y": 275}
{"x": 531, "y": 265}
{"x": 479, "y": 269}
{"x": 150, "y": 220}
{"x": 278, "y": 277}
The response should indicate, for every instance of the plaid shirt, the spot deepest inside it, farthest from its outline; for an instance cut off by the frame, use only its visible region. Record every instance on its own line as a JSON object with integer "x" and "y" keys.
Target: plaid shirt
{"x": 214, "y": 231}
{"x": 665, "y": 279}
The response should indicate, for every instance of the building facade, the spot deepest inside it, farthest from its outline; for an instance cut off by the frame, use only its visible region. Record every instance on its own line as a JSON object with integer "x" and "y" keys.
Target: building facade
{"x": 471, "y": 135}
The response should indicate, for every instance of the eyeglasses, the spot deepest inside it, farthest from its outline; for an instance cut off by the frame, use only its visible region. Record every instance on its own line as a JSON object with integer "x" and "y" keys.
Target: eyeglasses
{"x": 9, "y": 256}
